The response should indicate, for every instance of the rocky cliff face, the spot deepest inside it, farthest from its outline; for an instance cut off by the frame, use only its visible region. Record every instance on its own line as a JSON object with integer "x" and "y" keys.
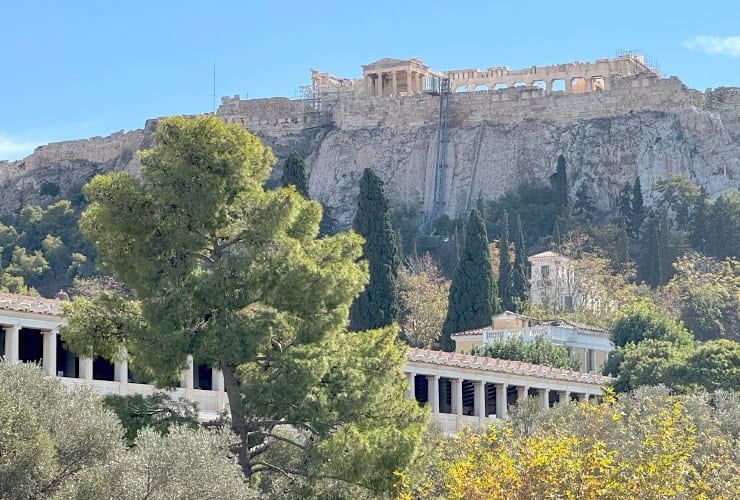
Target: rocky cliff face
{"x": 498, "y": 140}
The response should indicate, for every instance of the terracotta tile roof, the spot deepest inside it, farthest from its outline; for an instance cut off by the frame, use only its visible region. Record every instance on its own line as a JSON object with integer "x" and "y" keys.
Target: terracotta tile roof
{"x": 503, "y": 366}
{"x": 25, "y": 303}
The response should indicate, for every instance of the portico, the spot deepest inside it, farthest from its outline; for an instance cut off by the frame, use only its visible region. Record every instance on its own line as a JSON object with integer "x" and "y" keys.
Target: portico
{"x": 464, "y": 390}
{"x": 394, "y": 77}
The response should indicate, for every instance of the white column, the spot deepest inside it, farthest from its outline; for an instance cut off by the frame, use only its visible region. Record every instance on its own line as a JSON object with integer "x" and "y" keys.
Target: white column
{"x": 522, "y": 392}
{"x": 457, "y": 402}
{"x": 86, "y": 368}
{"x": 584, "y": 365}
{"x": 120, "y": 367}
{"x": 217, "y": 382}
{"x": 563, "y": 396}
{"x": 583, "y": 397}
{"x": 186, "y": 378}
{"x": 380, "y": 84}
{"x": 409, "y": 392}
{"x": 49, "y": 360}
{"x": 544, "y": 395}
{"x": 395, "y": 84}
{"x": 433, "y": 392}
{"x": 501, "y": 408}
{"x": 480, "y": 398}
{"x": 12, "y": 343}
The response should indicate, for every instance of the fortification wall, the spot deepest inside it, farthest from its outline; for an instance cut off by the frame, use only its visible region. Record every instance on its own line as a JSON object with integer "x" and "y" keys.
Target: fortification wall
{"x": 92, "y": 150}
{"x": 516, "y": 104}
{"x": 274, "y": 116}
{"x": 348, "y": 111}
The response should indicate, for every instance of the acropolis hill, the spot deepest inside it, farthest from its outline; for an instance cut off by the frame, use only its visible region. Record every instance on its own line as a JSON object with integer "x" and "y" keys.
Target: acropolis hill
{"x": 613, "y": 120}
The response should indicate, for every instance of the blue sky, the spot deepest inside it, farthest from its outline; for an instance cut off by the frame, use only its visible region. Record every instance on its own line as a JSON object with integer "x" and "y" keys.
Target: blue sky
{"x": 76, "y": 69}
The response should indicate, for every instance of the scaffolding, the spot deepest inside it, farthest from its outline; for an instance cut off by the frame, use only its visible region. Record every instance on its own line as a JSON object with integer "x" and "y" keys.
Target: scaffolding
{"x": 639, "y": 56}
{"x": 440, "y": 171}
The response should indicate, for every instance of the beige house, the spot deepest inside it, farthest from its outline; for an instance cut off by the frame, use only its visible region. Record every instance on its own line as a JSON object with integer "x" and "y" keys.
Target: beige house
{"x": 587, "y": 344}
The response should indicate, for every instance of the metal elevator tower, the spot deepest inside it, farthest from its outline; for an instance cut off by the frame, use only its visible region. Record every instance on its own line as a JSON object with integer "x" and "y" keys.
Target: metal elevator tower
{"x": 440, "y": 170}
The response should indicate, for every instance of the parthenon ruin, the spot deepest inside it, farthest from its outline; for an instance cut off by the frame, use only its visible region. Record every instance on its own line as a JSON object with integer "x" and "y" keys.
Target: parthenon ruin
{"x": 389, "y": 77}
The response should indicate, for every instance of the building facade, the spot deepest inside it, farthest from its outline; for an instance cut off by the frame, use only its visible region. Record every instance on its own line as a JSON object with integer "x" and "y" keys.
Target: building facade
{"x": 589, "y": 345}
{"x": 461, "y": 390}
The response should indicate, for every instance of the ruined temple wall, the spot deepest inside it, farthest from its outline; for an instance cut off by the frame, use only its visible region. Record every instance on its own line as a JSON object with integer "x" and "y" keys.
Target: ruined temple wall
{"x": 513, "y": 105}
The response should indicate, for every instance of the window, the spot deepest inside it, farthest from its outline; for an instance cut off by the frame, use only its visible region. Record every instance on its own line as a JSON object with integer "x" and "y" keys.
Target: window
{"x": 545, "y": 271}
{"x": 568, "y": 302}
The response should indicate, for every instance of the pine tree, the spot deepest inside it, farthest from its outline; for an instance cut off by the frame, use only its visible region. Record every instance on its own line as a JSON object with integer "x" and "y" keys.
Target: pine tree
{"x": 520, "y": 282}
{"x": 505, "y": 278}
{"x": 377, "y": 305}
{"x": 294, "y": 173}
{"x": 584, "y": 205}
{"x": 473, "y": 297}
{"x": 636, "y": 210}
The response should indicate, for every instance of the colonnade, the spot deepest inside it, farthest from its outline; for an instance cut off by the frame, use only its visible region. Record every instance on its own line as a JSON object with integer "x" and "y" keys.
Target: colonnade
{"x": 578, "y": 84}
{"x": 393, "y": 82}
{"x": 76, "y": 370}
{"x": 473, "y": 399}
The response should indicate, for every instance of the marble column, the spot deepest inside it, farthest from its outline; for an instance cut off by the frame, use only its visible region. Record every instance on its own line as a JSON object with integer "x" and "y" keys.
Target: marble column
{"x": 501, "y": 403}
{"x": 583, "y": 397}
{"x": 433, "y": 392}
{"x": 395, "y": 83}
{"x": 522, "y": 392}
{"x": 548, "y": 87}
{"x": 457, "y": 401}
{"x": 380, "y": 84}
{"x": 569, "y": 84}
{"x": 480, "y": 398}
{"x": 12, "y": 343}
{"x": 410, "y": 391}
{"x": 544, "y": 395}
{"x": 186, "y": 378}
{"x": 120, "y": 367}
{"x": 86, "y": 368}
{"x": 217, "y": 383}
{"x": 563, "y": 396}
{"x": 49, "y": 356}
{"x": 584, "y": 361}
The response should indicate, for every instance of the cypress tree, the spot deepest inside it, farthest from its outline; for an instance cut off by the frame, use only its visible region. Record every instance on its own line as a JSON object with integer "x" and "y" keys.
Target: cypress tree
{"x": 559, "y": 183}
{"x": 555, "y": 239}
{"x": 654, "y": 258}
{"x": 472, "y": 300}
{"x": 294, "y": 173}
{"x": 637, "y": 210}
{"x": 520, "y": 282}
{"x": 624, "y": 203}
{"x": 377, "y": 305}
{"x": 505, "y": 278}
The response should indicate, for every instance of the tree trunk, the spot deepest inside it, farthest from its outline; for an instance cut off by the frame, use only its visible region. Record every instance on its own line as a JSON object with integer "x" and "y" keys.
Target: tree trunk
{"x": 238, "y": 421}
